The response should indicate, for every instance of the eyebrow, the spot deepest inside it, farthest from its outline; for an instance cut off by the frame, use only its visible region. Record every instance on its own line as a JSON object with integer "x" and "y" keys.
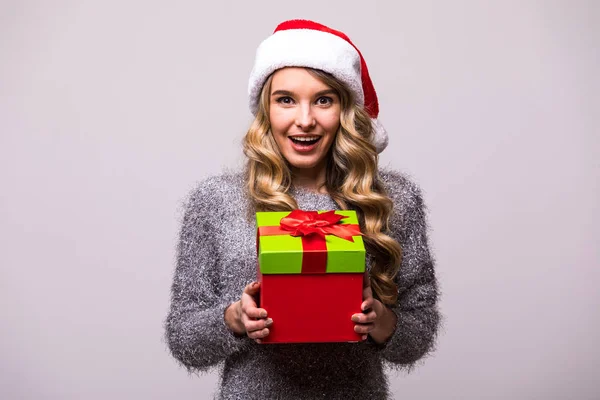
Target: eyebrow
{"x": 288, "y": 93}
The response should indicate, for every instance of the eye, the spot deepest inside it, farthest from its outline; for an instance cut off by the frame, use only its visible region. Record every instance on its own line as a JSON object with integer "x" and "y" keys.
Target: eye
{"x": 285, "y": 100}
{"x": 324, "y": 101}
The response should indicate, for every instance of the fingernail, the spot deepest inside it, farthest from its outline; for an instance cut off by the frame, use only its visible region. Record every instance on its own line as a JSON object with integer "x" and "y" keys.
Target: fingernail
{"x": 364, "y": 337}
{"x": 354, "y": 318}
{"x": 258, "y": 341}
{"x": 268, "y": 322}
{"x": 263, "y": 314}
{"x": 254, "y": 284}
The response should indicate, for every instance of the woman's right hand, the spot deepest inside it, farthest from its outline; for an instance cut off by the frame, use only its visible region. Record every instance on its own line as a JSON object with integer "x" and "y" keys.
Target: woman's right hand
{"x": 244, "y": 318}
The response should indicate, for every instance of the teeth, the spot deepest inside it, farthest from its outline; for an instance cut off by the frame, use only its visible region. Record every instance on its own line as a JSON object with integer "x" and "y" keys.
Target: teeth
{"x": 305, "y": 138}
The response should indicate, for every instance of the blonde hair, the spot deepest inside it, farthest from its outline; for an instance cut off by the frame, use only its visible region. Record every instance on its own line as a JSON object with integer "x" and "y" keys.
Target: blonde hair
{"x": 351, "y": 180}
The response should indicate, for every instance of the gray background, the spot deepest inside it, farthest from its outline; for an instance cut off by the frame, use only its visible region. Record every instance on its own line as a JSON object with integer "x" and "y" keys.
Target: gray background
{"x": 110, "y": 112}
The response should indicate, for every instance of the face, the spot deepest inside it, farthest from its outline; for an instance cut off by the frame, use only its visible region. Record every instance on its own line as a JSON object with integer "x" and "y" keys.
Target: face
{"x": 305, "y": 116}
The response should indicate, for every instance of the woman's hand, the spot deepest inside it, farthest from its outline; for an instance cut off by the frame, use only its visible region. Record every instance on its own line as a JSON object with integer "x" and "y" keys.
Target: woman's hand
{"x": 376, "y": 319}
{"x": 244, "y": 318}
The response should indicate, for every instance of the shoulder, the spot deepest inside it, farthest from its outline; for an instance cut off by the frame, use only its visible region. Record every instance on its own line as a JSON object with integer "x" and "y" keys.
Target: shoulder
{"x": 401, "y": 188}
{"x": 216, "y": 193}
{"x": 407, "y": 196}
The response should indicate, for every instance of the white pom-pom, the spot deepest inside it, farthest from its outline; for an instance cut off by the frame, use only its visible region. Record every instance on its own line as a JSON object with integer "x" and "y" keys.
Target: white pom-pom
{"x": 380, "y": 136}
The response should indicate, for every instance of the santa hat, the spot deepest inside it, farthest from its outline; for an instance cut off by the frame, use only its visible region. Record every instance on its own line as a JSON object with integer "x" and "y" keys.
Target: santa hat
{"x": 303, "y": 43}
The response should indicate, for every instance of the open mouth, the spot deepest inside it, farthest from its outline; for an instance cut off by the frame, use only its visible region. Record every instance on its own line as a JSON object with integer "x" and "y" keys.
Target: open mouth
{"x": 305, "y": 140}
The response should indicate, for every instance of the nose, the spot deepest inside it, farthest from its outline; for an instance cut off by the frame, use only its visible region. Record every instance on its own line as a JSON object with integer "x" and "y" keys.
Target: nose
{"x": 305, "y": 119}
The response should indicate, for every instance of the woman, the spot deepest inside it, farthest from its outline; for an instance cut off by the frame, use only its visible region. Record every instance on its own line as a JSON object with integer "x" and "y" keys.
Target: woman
{"x": 313, "y": 146}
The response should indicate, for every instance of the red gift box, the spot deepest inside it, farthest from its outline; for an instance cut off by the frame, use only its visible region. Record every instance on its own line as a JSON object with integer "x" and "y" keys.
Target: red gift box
{"x": 311, "y": 268}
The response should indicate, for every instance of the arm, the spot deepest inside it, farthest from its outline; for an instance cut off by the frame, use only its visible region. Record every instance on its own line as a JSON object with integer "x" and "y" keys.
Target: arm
{"x": 195, "y": 327}
{"x": 417, "y": 316}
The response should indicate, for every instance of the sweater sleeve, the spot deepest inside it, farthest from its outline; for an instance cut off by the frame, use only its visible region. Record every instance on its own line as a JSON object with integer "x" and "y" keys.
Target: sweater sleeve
{"x": 416, "y": 308}
{"x": 195, "y": 328}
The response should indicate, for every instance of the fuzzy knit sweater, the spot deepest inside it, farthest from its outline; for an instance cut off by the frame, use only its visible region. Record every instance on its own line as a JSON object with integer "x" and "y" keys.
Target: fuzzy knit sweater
{"x": 216, "y": 259}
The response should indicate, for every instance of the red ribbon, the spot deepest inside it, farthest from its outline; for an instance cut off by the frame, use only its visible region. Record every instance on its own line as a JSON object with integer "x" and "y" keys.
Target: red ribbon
{"x": 312, "y": 227}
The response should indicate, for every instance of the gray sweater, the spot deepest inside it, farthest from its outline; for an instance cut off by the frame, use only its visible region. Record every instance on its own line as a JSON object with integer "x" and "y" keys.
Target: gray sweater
{"x": 216, "y": 259}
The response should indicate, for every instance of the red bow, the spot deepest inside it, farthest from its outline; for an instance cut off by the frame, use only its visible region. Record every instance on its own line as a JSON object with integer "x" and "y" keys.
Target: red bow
{"x": 313, "y": 227}
{"x": 305, "y": 223}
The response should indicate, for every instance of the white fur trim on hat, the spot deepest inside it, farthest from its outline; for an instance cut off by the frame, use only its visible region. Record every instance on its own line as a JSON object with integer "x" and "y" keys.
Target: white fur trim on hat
{"x": 305, "y": 48}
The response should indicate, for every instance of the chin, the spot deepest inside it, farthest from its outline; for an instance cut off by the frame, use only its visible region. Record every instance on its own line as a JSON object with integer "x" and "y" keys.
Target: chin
{"x": 304, "y": 164}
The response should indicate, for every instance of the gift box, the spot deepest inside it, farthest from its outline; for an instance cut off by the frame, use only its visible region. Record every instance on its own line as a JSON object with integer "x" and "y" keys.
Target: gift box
{"x": 311, "y": 266}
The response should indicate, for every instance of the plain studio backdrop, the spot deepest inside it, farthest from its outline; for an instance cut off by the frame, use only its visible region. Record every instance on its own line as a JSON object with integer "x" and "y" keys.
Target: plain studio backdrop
{"x": 111, "y": 112}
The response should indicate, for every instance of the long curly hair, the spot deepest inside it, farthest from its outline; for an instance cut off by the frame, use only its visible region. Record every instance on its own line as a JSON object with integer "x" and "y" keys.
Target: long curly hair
{"x": 351, "y": 180}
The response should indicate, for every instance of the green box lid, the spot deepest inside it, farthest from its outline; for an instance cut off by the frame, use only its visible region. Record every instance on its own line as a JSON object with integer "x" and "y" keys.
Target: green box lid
{"x": 282, "y": 254}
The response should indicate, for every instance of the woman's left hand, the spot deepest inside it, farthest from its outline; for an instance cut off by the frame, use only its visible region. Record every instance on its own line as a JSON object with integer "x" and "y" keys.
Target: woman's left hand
{"x": 376, "y": 319}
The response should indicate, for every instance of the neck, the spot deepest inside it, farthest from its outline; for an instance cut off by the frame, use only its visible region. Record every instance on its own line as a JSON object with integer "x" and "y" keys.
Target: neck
{"x": 312, "y": 179}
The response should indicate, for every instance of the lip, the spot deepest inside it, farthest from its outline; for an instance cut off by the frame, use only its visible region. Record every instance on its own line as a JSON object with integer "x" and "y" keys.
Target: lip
{"x": 301, "y": 148}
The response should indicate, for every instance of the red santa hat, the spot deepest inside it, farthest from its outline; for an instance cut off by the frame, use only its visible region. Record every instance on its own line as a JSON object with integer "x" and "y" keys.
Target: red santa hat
{"x": 303, "y": 43}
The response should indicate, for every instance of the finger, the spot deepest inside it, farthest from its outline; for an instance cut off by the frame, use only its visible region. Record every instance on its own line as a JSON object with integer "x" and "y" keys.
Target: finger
{"x": 252, "y": 288}
{"x": 249, "y": 306}
{"x": 367, "y": 292}
{"x": 252, "y": 326}
{"x": 367, "y": 318}
{"x": 253, "y": 313}
{"x": 366, "y": 279}
{"x": 247, "y": 302}
{"x": 367, "y": 304}
{"x": 363, "y": 329}
{"x": 259, "y": 334}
